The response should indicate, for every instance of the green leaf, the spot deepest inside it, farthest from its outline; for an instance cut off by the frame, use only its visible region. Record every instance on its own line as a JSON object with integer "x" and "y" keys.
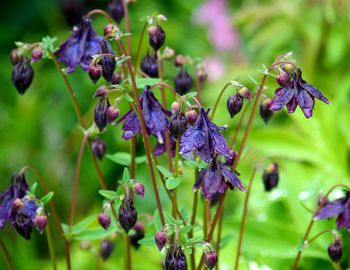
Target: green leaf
{"x": 188, "y": 250}
{"x": 65, "y": 228}
{"x": 148, "y": 240}
{"x": 164, "y": 171}
{"x": 126, "y": 175}
{"x": 168, "y": 218}
{"x": 185, "y": 215}
{"x": 194, "y": 240}
{"x": 142, "y": 82}
{"x": 157, "y": 222}
{"x": 226, "y": 239}
{"x": 186, "y": 229}
{"x": 82, "y": 225}
{"x": 97, "y": 233}
{"x": 172, "y": 182}
{"x": 191, "y": 95}
{"x": 48, "y": 45}
{"x": 108, "y": 194}
{"x": 124, "y": 158}
{"x": 33, "y": 187}
{"x": 46, "y": 199}
{"x": 128, "y": 98}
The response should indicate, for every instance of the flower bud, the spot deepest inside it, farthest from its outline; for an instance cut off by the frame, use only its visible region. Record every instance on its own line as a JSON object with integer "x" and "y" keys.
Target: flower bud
{"x": 116, "y": 78}
{"x": 175, "y": 260}
{"x": 244, "y": 92}
{"x": 265, "y": 111}
{"x": 95, "y": 72}
{"x": 175, "y": 107}
{"x": 115, "y": 8}
{"x": 202, "y": 74}
{"x": 283, "y": 79}
{"x": 168, "y": 53}
{"x": 40, "y": 222}
{"x": 14, "y": 57}
{"x": 139, "y": 234}
{"x": 139, "y": 189}
{"x": 191, "y": 116}
{"x": 178, "y": 124}
{"x": 100, "y": 113}
{"x": 271, "y": 176}
{"x": 104, "y": 220}
{"x": 234, "y": 104}
{"x": 16, "y": 204}
{"x": 156, "y": 37}
{"x": 149, "y": 65}
{"x": 98, "y": 148}
{"x": 127, "y": 215}
{"x": 106, "y": 249}
{"x": 161, "y": 238}
{"x": 210, "y": 259}
{"x": 335, "y": 251}
{"x": 111, "y": 114}
{"x": 161, "y": 18}
{"x": 289, "y": 68}
{"x": 108, "y": 62}
{"x": 22, "y": 75}
{"x": 101, "y": 91}
{"x": 110, "y": 30}
{"x": 180, "y": 60}
{"x": 183, "y": 82}
{"x": 37, "y": 54}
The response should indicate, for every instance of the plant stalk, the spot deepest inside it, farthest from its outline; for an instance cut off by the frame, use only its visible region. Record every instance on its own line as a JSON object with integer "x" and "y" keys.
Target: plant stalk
{"x": 7, "y": 257}
{"x": 51, "y": 246}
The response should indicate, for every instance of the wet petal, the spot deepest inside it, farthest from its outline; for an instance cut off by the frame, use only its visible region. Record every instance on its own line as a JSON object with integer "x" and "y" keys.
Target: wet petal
{"x": 131, "y": 126}
{"x": 232, "y": 179}
{"x": 292, "y": 105}
{"x": 281, "y": 98}
{"x": 314, "y": 92}
{"x": 331, "y": 209}
{"x": 211, "y": 182}
{"x": 306, "y": 102}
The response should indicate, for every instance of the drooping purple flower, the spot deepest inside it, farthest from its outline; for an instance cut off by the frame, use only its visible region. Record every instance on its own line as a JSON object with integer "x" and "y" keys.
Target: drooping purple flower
{"x": 204, "y": 138}
{"x": 339, "y": 208}
{"x": 175, "y": 259}
{"x": 215, "y": 179}
{"x": 154, "y": 115}
{"x": 296, "y": 92}
{"x": 79, "y": 48}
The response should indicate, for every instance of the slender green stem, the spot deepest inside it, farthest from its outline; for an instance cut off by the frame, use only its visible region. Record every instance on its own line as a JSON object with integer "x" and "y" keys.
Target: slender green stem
{"x": 219, "y": 238}
{"x": 244, "y": 217}
{"x": 127, "y": 257}
{"x": 6, "y": 255}
{"x": 139, "y": 46}
{"x": 101, "y": 12}
{"x": 76, "y": 182}
{"x": 127, "y": 25}
{"x": 193, "y": 220}
{"x": 133, "y": 156}
{"x": 239, "y": 125}
{"x": 79, "y": 115}
{"x": 162, "y": 83}
{"x": 144, "y": 135}
{"x": 205, "y": 219}
{"x": 218, "y": 100}
{"x": 317, "y": 235}
{"x": 51, "y": 246}
{"x": 175, "y": 174}
{"x": 198, "y": 87}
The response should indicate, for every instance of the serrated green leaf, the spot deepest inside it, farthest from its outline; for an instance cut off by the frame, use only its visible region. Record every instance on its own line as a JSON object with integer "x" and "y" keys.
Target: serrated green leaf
{"x": 82, "y": 225}
{"x": 46, "y": 199}
{"x": 172, "y": 182}
{"x": 108, "y": 194}
{"x": 164, "y": 171}
{"x": 142, "y": 82}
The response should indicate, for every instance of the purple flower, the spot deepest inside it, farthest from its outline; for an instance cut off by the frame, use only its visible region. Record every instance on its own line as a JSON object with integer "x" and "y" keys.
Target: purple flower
{"x": 204, "y": 138}
{"x": 154, "y": 115}
{"x": 339, "y": 208}
{"x": 294, "y": 92}
{"x": 215, "y": 179}
{"x": 79, "y": 48}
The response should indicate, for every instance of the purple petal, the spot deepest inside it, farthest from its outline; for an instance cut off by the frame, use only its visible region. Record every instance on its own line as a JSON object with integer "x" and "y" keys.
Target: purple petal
{"x": 331, "y": 209}
{"x": 232, "y": 179}
{"x": 281, "y": 98}
{"x": 306, "y": 103}
{"x": 211, "y": 183}
{"x": 292, "y": 105}
{"x": 131, "y": 126}
{"x": 315, "y": 92}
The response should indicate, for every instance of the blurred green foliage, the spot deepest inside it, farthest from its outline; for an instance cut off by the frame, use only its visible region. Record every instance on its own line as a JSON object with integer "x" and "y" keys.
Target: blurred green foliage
{"x": 40, "y": 128}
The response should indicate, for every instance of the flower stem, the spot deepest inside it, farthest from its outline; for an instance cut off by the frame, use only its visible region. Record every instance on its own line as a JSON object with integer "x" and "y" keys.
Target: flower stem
{"x": 144, "y": 135}
{"x": 175, "y": 174}
{"x": 198, "y": 87}
{"x": 79, "y": 115}
{"x": 318, "y": 235}
{"x": 6, "y": 255}
{"x": 101, "y": 12}
{"x": 133, "y": 156}
{"x": 139, "y": 46}
{"x": 239, "y": 125}
{"x": 76, "y": 182}
{"x": 127, "y": 257}
{"x": 193, "y": 220}
{"x": 219, "y": 237}
{"x": 244, "y": 217}
{"x": 234, "y": 165}
{"x": 51, "y": 246}
{"x": 218, "y": 100}
{"x": 127, "y": 25}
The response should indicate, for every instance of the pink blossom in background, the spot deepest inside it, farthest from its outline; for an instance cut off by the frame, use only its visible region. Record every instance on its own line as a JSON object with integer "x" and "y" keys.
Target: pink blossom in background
{"x": 222, "y": 34}
{"x": 215, "y": 68}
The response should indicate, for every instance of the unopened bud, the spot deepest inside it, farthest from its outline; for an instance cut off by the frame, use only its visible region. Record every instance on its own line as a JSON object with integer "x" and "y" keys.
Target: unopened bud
{"x": 149, "y": 65}
{"x": 178, "y": 124}
{"x": 106, "y": 249}
{"x": 139, "y": 189}
{"x": 244, "y": 92}
{"x": 283, "y": 79}
{"x": 139, "y": 234}
{"x": 40, "y": 222}
{"x": 175, "y": 259}
{"x": 95, "y": 72}
{"x": 180, "y": 60}
{"x": 183, "y": 82}
{"x": 161, "y": 238}
{"x": 156, "y": 37}
{"x": 161, "y": 17}
{"x": 100, "y": 113}
{"x": 234, "y": 104}
{"x": 289, "y": 68}
{"x": 22, "y": 75}
{"x": 104, "y": 220}
{"x": 101, "y": 91}
{"x": 108, "y": 62}
{"x": 168, "y": 53}
{"x": 175, "y": 107}
{"x": 111, "y": 114}
{"x": 271, "y": 176}
{"x": 210, "y": 259}
{"x": 191, "y": 116}
{"x": 265, "y": 111}
{"x": 37, "y": 54}
{"x": 127, "y": 215}
{"x": 110, "y": 30}
{"x": 14, "y": 57}
{"x": 115, "y": 8}
{"x": 335, "y": 251}
{"x": 98, "y": 148}
{"x": 116, "y": 78}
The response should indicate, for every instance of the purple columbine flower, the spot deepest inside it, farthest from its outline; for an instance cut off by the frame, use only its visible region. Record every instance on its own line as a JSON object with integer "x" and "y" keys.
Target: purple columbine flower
{"x": 215, "y": 179}
{"x": 204, "y": 138}
{"x": 295, "y": 91}
{"x": 79, "y": 48}
{"x": 154, "y": 115}
{"x": 339, "y": 208}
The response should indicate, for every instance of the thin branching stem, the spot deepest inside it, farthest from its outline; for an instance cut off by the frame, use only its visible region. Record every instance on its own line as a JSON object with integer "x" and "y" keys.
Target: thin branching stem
{"x": 6, "y": 254}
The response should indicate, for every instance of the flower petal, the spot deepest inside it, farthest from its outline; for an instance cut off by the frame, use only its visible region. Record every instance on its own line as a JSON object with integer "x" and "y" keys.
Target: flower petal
{"x": 232, "y": 179}
{"x": 281, "y": 98}
{"x": 306, "y": 102}
{"x": 331, "y": 209}
{"x": 131, "y": 126}
{"x": 314, "y": 92}
{"x": 292, "y": 105}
